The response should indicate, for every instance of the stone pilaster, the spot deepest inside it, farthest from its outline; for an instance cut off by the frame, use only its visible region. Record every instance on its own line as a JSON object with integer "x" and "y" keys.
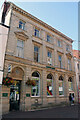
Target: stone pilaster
{"x": 56, "y": 88}
{"x": 44, "y": 88}
{"x": 75, "y": 89}
{"x": 66, "y": 88}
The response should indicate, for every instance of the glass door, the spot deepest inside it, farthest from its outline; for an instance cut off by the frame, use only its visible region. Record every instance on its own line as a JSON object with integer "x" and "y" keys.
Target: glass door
{"x": 15, "y": 96}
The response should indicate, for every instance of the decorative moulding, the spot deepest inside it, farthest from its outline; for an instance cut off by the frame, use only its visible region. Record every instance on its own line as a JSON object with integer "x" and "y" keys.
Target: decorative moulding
{"x": 21, "y": 35}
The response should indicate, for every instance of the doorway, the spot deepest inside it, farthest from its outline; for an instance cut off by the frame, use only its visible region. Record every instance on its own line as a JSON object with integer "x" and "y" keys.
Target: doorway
{"x": 15, "y": 95}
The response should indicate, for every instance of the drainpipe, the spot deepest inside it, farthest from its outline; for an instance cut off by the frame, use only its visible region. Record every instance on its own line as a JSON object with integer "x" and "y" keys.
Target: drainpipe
{"x": 42, "y": 73}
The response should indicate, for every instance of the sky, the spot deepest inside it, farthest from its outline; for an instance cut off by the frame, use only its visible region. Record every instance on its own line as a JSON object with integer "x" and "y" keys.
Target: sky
{"x": 62, "y": 16}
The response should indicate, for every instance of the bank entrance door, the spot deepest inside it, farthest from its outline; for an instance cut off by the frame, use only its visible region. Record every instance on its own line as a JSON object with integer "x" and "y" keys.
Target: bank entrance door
{"x": 15, "y": 96}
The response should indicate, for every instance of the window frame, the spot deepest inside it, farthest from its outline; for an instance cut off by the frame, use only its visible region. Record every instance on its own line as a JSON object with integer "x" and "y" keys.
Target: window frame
{"x": 61, "y": 81}
{"x": 49, "y": 56}
{"x": 69, "y": 64}
{"x": 48, "y": 79}
{"x": 36, "y": 32}
{"x": 19, "y": 47}
{"x": 36, "y": 85}
{"x": 70, "y": 82}
{"x": 59, "y": 43}
{"x": 60, "y": 61}
{"x": 21, "y": 25}
{"x": 35, "y": 52}
{"x": 67, "y": 47}
{"x": 48, "y": 38}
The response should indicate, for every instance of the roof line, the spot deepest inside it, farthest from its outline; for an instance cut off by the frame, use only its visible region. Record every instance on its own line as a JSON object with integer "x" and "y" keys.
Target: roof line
{"x": 40, "y": 21}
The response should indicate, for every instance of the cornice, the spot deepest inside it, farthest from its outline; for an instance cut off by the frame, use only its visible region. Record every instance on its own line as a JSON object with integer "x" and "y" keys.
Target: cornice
{"x": 39, "y": 21}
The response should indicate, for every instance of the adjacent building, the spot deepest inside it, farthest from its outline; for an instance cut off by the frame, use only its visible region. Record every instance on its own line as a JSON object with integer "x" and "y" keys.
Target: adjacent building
{"x": 77, "y": 66}
{"x": 39, "y": 53}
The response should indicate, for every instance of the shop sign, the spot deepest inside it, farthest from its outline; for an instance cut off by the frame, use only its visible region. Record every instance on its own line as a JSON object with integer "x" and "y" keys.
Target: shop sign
{"x": 28, "y": 95}
{"x": 4, "y": 94}
{"x": 50, "y": 67}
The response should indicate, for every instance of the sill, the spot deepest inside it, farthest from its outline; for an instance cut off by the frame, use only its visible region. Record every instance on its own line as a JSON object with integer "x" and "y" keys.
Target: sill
{"x": 70, "y": 90}
{"x": 49, "y": 42}
{"x": 61, "y": 95}
{"x": 18, "y": 56}
{"x": 37, "y": 37}
{"x": 50, "y": 96}
{"x": 22, "y": 29}
{"x": 35, "y": 96}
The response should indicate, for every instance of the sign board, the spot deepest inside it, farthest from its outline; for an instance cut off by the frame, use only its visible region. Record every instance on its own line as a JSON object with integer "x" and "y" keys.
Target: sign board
{"x": 50, "y": 67}
{"x": 27, "y": 94}
{"x": 4, "y": 94}
{"x": 9, "y": 68}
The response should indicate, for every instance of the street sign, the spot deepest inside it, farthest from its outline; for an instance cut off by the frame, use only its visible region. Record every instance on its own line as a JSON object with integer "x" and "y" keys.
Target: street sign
{"x": 9, "y": 68}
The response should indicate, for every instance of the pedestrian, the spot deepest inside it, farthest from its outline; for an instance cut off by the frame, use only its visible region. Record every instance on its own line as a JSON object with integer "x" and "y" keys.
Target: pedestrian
{"x": 70, "y": 98}
{"x": 73, "y": 99}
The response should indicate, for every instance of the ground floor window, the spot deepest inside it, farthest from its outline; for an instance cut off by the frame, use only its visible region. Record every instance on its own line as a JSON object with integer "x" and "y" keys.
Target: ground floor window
{"x": 49, "y": 85}
{"x": 60, "y": 85}
{"x": 35, "y": 91}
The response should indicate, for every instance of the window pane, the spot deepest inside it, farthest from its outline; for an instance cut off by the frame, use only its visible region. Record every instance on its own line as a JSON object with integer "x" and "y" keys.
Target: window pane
{"x": 36, "y": 54}
{"x": 60, "y": 87}
{"x": 20, "y": 48}
{"x": 48, "y": 38}
{"x": 35, "y": 89}
{"x": 49, "y": 87}
{"x": 21, "y": 25}
{"x": 59, "y": 58}
{"x": 36, "y": 33}
{"x": 49, "y": 54}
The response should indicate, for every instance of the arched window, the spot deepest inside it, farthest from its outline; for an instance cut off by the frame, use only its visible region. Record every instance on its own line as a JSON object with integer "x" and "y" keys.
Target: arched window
{"x": 61, "y": 85}
{"x": 35, "y": 91}
{"x": 49, "y": 85}
{"x": 70, "y": 84}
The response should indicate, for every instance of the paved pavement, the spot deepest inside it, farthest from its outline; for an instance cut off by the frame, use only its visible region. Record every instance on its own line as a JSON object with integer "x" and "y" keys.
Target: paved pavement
{"x": 55, "y": 112}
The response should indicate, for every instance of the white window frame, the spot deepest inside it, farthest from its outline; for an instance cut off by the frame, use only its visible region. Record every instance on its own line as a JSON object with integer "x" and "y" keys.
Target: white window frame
{"x": 59, "y": 43}
{"x": 36, "y": 32}
{"x": 19, "y": 47}
{"x": 61, "y": 81}
{"x": 36, "y": 53}
{"x": 49, "y": 58}
{"x": 21, "y": 25}
{"x": 52, "y": 88}
{"x": 60, "y": 61}
{"x": 35, "y": 86}
{"x": 48, "y": 38}
{"x": 69, "y": 64}
{"x": 67, "y": 48}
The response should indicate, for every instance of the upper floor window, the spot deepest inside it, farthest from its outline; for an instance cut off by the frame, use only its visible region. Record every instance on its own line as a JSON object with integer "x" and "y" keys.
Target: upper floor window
{"x": 59, "y": 43}
{"x": 21, "y": 25}
{"x": 36, "y": 53}
{"x": 49, "y": 57}
{"x": 69, "y": 64}
{"x": 36, "y": 33}
{"x": 60, "y": 61}
{"x": 20, "y": 48}
{"x": 48, "y": 38}
{"x": 67, "y": 48}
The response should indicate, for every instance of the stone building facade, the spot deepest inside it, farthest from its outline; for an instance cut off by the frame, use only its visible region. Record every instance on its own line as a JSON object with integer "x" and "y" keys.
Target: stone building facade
{"x": 39, "y": 53}
{"x": 77, "y": 66}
